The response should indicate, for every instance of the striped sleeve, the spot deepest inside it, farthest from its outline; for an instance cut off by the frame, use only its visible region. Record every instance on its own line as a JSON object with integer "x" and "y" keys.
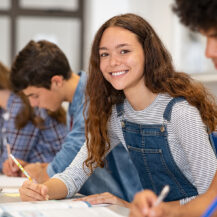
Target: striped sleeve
{"x": 192, "y": 134}
{"x": 75, "y": 175}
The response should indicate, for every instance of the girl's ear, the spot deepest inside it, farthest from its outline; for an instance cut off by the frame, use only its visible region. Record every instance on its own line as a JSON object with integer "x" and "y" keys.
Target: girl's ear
{"x": 56, "y": 81}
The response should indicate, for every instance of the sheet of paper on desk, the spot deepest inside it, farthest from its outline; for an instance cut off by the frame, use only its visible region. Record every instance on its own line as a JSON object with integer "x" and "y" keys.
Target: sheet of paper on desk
{"x": 10, "y": 190}
{"x": 11, "y": 182}
{"x": 54, "y": 209}
{"x": 75, "y": 212}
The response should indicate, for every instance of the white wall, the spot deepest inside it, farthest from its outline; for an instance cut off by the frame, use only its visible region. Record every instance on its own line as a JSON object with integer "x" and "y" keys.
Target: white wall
{"x": 212, "y": 87}
{"x": 159, "y": 14}
{"x": 4, "y": 41}
{"x": 98, "y": 11}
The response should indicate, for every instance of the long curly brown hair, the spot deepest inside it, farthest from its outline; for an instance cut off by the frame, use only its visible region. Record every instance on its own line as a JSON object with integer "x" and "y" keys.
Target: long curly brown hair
{"x": 160, "y": 77}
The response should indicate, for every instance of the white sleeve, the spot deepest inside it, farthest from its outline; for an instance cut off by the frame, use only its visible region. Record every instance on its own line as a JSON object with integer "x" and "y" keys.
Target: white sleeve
{"x": 75, "y": 175}
{"x": 192, "y": 133}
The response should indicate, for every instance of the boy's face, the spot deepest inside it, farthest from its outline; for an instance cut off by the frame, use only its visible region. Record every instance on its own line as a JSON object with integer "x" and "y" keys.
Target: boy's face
{"x": 43, "y": 98}
{"x": 211, "y": 44}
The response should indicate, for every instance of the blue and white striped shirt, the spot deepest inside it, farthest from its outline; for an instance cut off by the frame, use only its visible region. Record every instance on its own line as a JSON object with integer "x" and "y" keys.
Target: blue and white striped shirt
{"x": 187, "y": 137}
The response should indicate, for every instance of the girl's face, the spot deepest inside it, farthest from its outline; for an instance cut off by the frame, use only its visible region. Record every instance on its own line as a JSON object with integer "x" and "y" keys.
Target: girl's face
{"x": 121, "y": 59}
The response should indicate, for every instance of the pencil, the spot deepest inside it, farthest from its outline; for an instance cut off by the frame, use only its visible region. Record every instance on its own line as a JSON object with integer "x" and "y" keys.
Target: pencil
{"x": 162, "y": 195}
{"x": 20, "y": 166}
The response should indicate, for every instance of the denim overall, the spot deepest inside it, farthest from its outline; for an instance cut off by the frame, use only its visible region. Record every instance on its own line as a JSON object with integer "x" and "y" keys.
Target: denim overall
{"x": 213, "y": 140}
{"x": 119, "y": 176}
{"x": 148, "y": 164}
{"x": 150, "y": 152}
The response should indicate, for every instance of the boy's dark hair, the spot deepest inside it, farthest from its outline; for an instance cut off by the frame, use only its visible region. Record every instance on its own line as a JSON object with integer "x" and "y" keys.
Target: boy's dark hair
{"x": 197, "y": 14}
{"x": 27, "y": 113}
{"x": 37, "y": 63}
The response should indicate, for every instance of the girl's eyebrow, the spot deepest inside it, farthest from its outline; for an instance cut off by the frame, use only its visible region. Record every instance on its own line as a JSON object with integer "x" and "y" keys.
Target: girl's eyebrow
{"x": 31, "y": 94}
{"x": 118, "y": 46}
{"x": 103, "y": 48}
{"x": 122, "y": 45}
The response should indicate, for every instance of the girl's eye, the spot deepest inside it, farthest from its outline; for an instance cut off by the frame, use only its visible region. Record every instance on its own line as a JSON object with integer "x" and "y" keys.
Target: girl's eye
{"x": 124, "y": 51}
{"x": 103, "y": 54}
{"x": 34, "y": 96}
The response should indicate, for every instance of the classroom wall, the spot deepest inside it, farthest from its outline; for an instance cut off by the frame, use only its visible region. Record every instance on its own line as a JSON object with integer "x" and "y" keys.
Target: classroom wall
{"x": 212, "y": 86}
{"x": 158, "y": 13}
{"x": 98, "y": 11}
{"x": 166, "y": 24}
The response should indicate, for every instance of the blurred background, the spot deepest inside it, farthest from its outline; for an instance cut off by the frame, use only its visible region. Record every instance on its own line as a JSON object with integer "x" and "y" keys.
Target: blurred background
{"x": 71, "y": 24}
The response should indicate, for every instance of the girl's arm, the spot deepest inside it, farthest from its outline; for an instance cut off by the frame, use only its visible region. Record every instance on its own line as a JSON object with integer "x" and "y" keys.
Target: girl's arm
{"x": 62, "y": 185}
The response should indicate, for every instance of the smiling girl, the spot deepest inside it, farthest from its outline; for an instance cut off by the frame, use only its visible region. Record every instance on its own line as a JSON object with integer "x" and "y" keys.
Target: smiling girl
{"x": 135, "y": 98}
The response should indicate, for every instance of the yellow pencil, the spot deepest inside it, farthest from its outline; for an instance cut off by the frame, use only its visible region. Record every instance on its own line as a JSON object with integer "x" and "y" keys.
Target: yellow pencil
{"x": 20, "y": 166}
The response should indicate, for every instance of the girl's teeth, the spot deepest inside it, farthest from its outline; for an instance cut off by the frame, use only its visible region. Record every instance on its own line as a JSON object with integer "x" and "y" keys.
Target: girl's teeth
{"x": 118, "y": 73}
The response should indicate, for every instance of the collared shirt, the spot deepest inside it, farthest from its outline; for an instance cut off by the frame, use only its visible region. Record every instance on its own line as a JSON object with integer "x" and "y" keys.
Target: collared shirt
{"x": 30, "y": 143}
{"x": 76, "y": 137}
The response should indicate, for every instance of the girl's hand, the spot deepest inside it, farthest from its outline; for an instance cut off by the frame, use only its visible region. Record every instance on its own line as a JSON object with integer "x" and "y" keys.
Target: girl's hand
{"x": 31, "y": 191}
{"x": 104, "y": 198}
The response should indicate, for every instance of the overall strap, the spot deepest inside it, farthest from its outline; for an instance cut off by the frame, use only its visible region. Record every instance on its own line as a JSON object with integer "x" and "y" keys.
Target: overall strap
{"x": 120, "y": 109}
{"x": 168, "y": 109}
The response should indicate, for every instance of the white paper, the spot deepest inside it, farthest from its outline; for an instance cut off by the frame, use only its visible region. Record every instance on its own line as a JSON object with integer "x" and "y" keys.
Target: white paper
{"x": 76, "y": 212}
{"x": 10, "y": 190}
{"x": 54, "y": 208}
{"x": 11, "y": 182}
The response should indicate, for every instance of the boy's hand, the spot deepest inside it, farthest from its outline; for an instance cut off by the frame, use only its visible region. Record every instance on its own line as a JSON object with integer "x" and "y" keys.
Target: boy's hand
{"x": 9, "y": 168}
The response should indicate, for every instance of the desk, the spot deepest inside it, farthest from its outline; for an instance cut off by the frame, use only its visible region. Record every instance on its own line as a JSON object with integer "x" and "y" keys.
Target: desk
{"x": 118, "y": 209}
{"x": 8, "y": 199}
